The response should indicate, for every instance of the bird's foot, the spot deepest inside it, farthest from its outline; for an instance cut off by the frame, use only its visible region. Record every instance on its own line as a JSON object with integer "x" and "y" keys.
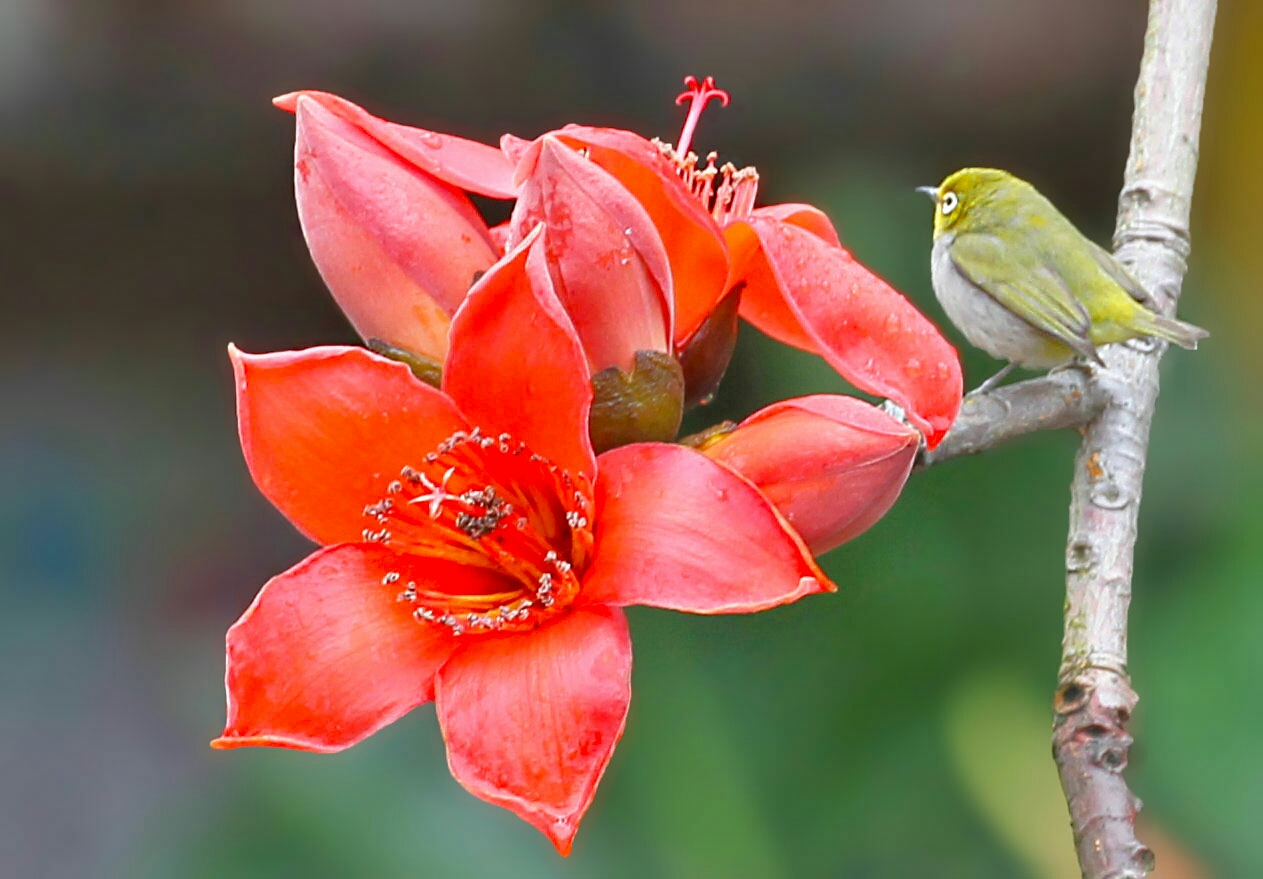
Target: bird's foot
{"x": 1083, "y": 364}
{"x": 993, "y": 381}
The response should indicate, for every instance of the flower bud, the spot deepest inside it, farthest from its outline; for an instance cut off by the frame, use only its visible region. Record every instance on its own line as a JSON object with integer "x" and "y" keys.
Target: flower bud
{"x": 832, "y": 465}
{"x": 397, "y": 247}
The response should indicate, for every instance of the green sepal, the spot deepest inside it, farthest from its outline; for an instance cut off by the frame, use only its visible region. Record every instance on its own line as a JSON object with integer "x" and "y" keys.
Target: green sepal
{"x": 704, "y": 439}
{"x": 705, "y": 357}
{"x": 429, "y": 371}
{"x": 645, "y": 406}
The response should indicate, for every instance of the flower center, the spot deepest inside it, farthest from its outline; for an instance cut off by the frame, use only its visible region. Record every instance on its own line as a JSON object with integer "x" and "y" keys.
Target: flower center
{"x": 734, "y": 195}
{"x": 515, "y": 519}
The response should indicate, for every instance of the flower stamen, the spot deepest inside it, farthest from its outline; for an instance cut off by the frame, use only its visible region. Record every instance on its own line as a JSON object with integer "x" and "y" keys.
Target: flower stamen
{"x": 488, "y": 504}
{"x": 726, "y": 192}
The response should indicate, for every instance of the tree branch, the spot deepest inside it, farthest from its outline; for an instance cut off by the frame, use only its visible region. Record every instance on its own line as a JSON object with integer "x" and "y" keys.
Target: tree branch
{"x": 1069, "y": 397}
{"x": 1094, "y": 697}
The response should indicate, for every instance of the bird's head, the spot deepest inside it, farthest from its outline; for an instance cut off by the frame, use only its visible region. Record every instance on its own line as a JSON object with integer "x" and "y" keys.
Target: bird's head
{"x": 973, "y": 198}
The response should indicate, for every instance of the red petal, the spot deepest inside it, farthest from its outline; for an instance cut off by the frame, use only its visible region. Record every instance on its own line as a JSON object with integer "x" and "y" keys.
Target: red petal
{"x": 694, "y": 242}
{"x": 467, "y": 164}
{"x": 325, "y": 430}
{"x": 761, "y": 302}
{"x": 516, "y": 365}
{"x": 531, "y": 720}
{"x": 805, "y": 216}
{"x": 608, "y": 264}
{"x": 866, "y": 331}
{"x": 514, "y": 147}
{"x": 325, "y": 656}
{"x": 500, "y": 236}
{"x": 674, "y": 529}
{"x": 397, "y": 247}
{"x": 832, "y": 465}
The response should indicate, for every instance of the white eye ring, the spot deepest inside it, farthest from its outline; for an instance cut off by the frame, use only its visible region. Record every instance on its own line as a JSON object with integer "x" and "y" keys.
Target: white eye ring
{"x": 948, "y": 204}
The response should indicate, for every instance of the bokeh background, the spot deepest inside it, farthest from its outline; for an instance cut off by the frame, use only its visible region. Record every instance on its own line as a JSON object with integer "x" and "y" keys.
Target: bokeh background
{"x": 899, "y": 728}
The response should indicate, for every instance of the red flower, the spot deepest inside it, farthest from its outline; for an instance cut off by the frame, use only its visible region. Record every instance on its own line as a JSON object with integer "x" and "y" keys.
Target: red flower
{"x": 832, "y": 465}
{"x": 643, "y": 246}
{"x": 497, "y": 554}
{"x": 796, "y": 281}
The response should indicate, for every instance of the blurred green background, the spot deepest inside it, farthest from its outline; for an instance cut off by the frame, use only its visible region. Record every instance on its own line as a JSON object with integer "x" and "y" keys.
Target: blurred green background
{"x": 898, "y": 728}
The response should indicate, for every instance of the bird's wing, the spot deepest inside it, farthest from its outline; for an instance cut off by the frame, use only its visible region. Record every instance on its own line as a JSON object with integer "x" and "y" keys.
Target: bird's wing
{"x": 1117, "y": 273}
{"x": 1026, "y": 286}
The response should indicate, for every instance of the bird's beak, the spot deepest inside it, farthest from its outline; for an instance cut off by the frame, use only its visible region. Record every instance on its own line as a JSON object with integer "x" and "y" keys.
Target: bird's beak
{"x": 931, "y": 191}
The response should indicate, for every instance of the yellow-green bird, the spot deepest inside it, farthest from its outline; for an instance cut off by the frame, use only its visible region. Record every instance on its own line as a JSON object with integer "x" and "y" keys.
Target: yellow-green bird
{"x": 1023, "y": 284}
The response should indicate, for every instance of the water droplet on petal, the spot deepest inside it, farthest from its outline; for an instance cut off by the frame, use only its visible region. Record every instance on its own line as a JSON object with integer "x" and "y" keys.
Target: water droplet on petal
{"x": 894, "y": 325}
{"x": 431, "y": 139}
{"x": 912, "y": 367}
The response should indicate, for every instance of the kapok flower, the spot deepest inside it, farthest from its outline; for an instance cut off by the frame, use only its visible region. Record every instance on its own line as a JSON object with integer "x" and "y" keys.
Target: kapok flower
{"x": 832, "y": 465}
{"x": 795, "y": 280}
{"x": 477, "y": 553}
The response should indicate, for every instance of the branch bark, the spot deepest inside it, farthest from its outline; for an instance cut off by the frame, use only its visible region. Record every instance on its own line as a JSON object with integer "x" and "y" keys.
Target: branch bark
{"x": 1095, "y": 699}
{"x": 1069, "y": 397}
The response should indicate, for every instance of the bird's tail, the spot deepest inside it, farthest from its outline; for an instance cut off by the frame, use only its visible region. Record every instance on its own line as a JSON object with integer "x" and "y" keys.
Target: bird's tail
{"x": 1183, "y": 334}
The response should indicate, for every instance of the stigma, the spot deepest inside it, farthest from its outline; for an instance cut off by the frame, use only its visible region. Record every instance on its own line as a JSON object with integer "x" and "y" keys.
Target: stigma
{"x": 490, "y": 504}
{"x": 726, "y": 191}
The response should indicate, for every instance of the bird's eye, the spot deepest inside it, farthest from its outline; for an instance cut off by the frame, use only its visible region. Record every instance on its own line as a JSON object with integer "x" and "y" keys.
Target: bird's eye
{"x": 948, "y": 204}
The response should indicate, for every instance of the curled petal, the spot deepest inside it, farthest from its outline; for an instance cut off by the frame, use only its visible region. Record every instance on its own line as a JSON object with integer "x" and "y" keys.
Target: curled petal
{"x": 763, "y": 307}
{"x": 677, "y": 530}
{"x": 325, "y": 430}
{"x": 801, "y": 286}
{"x": 607, "y": 260}
{"x": 516, "y": 365}
{"x": 804, "y": 216}
{"x": 397, "y": 247}
{"x": 514, "y": 148}
{"x": 695, "y": 245}
{"x": 326, "y": 656}
{"x": 531, "y": 721}
{"x": 465, "y": 164}
{"x": 832, "y": 465}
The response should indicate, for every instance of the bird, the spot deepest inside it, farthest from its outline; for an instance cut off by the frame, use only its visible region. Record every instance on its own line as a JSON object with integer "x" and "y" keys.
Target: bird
{"x": 1024, "y": 285}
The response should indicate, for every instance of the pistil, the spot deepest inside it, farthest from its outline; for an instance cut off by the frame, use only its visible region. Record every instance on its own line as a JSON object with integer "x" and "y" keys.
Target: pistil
{"x": 697, "y": 95}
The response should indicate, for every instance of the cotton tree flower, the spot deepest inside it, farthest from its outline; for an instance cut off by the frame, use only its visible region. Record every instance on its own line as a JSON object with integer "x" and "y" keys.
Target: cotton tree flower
{"x": 477, "y": 553}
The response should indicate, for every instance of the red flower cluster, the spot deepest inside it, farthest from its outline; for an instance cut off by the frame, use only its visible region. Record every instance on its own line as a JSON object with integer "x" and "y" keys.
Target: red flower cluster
{"x": 476, "y": 551}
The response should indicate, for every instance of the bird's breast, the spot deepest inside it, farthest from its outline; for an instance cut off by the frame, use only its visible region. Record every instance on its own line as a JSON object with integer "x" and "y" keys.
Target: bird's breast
{"x": 985, "y": 322}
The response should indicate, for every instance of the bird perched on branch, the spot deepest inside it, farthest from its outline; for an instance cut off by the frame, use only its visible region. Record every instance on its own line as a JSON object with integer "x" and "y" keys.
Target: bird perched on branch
{"x": 1024, "y": 285}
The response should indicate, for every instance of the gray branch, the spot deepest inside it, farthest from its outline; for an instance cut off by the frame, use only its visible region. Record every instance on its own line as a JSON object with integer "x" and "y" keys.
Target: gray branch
{"x": 1094, "y": 694}
{"x": 1115, "y": 405}
{"x": 1069, "y": 397}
